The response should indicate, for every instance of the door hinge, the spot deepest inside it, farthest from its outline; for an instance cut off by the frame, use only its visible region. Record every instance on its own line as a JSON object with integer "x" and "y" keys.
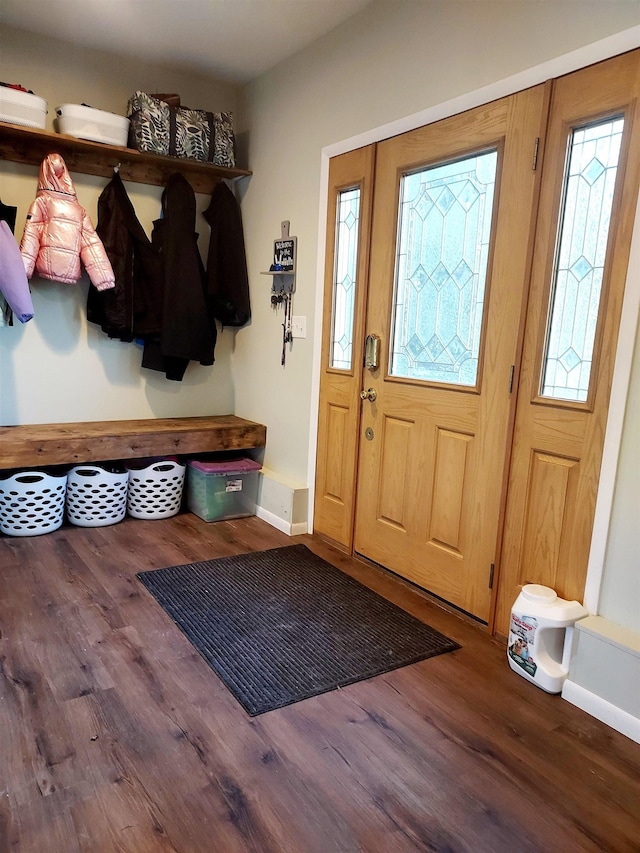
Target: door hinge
{"x": 511, "y": 372}
{"x": 536, "y": 145}
{"x": 491, "y": 571}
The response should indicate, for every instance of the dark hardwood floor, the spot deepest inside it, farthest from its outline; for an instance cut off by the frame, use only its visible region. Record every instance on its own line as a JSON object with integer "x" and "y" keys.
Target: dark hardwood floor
{"x": 116, "y": 736}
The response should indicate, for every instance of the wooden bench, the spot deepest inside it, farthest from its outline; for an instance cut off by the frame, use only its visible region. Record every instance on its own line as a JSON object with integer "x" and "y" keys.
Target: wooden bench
{"x": 35, "y": 445}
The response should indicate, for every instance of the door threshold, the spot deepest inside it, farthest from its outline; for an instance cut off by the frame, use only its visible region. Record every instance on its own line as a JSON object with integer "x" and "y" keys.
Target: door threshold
{"x": 442, "y": 603}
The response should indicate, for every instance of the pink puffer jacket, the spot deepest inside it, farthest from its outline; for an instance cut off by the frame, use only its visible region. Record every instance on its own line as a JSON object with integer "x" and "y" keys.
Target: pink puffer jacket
{"x": 58, "y": 233}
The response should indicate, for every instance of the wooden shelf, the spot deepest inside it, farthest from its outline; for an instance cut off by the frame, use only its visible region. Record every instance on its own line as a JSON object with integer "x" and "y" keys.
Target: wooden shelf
{"x": 26, "y": 145}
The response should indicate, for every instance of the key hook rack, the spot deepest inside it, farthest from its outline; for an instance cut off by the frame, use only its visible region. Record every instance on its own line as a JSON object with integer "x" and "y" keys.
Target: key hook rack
{"x": 283, "y": 280}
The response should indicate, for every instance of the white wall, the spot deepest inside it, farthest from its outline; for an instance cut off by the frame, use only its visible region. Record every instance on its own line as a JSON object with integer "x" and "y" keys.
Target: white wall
{"x": 58, "y": 367}
{"x": 391, "y": 60}
{"x": 620, "y": 591}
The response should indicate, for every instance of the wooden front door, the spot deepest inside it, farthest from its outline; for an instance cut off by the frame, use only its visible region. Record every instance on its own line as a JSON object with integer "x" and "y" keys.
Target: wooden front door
{"x": 495, "y": 283}
{"x": 445, "y": 298}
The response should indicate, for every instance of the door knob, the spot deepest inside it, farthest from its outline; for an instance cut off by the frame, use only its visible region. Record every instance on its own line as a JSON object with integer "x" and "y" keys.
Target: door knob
{"x": 369, "y": 394}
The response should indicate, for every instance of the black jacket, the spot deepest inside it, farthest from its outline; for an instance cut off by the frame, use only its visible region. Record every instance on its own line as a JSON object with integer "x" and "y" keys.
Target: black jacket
{"x": 132, "y": 309}
{"x": 188, "y": 333}
{"x": 227, "y": 279}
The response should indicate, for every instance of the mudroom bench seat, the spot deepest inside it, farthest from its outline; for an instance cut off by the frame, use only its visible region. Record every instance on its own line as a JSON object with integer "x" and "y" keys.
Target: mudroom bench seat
{"x": 35, "y": 445}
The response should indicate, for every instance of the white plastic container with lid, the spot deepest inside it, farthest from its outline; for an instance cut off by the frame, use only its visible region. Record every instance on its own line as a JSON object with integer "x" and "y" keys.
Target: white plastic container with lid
{"x": 540, "y": 636}
{"x": 95, "y": 125}
{"x": 223, "y": 489}
{"x": 23, "y": 108}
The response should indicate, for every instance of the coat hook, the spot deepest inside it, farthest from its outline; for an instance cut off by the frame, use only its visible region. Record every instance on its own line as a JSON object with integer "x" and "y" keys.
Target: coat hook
{"x": 116, "y": 168}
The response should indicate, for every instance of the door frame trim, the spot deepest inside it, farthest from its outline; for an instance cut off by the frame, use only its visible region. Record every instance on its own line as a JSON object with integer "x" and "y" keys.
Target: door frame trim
{"x": 597, "y": 51}
{"x": 629, "y": 324}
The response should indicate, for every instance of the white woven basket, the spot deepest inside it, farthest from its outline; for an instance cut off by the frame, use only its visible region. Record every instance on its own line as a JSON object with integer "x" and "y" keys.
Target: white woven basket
{"x": 96, "y": 497}
{"x": 155, "y": 491}
{"x": 32, "y": 503}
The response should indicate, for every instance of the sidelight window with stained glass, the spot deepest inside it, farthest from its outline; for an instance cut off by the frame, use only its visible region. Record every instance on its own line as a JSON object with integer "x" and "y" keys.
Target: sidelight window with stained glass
{"x": 585, "y": 217}
{"x": 444, "y": 232}
{"x": 344, "y": 278}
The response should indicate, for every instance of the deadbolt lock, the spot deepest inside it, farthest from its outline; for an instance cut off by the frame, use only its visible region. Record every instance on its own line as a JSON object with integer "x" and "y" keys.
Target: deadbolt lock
{"x": 369, "y": 394}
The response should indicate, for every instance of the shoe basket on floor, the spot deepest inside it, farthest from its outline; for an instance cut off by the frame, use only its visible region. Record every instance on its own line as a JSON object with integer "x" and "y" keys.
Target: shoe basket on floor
{"x": 32, "y": 502}
{"x": 96, "y": 497}
{"x": 155, "y": 490}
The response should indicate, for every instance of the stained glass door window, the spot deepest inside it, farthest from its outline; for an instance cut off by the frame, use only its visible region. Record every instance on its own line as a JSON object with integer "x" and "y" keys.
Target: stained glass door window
{"x": 580, "y": 257}
{"x": 344, "y": 279}
{"x": 444, "y": 230}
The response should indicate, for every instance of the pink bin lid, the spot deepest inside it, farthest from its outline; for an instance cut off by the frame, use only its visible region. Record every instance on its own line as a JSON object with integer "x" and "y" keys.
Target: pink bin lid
{"x": 230, "y": 466}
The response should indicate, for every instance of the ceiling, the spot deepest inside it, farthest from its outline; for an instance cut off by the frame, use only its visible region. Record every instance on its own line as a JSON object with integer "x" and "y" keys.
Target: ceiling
{"x": 236, "y": 40}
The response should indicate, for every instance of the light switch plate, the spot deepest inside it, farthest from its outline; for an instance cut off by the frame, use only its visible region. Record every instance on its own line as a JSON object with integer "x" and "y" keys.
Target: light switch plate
{"x": 299, "y": 327}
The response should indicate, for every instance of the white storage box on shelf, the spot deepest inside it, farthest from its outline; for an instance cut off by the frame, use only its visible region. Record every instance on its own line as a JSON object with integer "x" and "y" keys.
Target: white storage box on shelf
{"x": 22, "y": 108}
{"x": 32, "y": 502}
{"x": 96, "y": 497}
{"x": 155, "y": 488}
{"x": 96, "y": 125}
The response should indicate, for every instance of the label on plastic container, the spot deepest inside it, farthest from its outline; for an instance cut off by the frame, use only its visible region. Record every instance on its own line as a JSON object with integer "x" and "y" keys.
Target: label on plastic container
{"x": 234, "y": 486}
{"x": 522, "y": 632}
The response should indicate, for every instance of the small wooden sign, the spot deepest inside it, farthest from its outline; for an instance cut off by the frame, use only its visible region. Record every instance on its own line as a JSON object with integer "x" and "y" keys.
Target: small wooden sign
{"x": 284, "y": 254}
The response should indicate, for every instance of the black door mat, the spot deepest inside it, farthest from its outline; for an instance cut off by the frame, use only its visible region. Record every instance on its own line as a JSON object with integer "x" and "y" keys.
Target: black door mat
{"x": 282, "y": 625}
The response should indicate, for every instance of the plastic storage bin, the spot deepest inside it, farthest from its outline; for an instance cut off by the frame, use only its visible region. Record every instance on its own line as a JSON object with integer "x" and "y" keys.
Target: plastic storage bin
{"x": 540, "y": 635}
{"x": 220, "y": 490}
{"x": 22, "y": 108}
{"x": 95, "y": 125}
{"x": 155, "y": 488}
{"x": 96, "y": 497}
{"x": 32, "y": 502}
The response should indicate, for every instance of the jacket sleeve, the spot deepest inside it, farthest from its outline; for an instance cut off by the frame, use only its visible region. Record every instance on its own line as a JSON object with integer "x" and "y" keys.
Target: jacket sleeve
{"x": 30, "y": 243}
{"x": 94, "y": 257}
{"x": 13, "y": 280}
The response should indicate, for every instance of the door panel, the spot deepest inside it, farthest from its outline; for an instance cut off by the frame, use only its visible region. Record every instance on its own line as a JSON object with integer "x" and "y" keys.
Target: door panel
{"x": 551, "y": 498}
{"x": 424, "y": 506}
{"x": 395, "y": 471}
{"x": 452, "y": 453}
{"x": 338, "y": 429}
{"x": 562, "y": 408}
{"x": 346, "y": 268}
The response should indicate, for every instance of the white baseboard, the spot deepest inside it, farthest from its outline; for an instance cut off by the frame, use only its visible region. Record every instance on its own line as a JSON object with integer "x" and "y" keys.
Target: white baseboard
{"x": 602, "y": 710}
{"x": 283, "y": 503}
{"x": 282, "y": 524}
